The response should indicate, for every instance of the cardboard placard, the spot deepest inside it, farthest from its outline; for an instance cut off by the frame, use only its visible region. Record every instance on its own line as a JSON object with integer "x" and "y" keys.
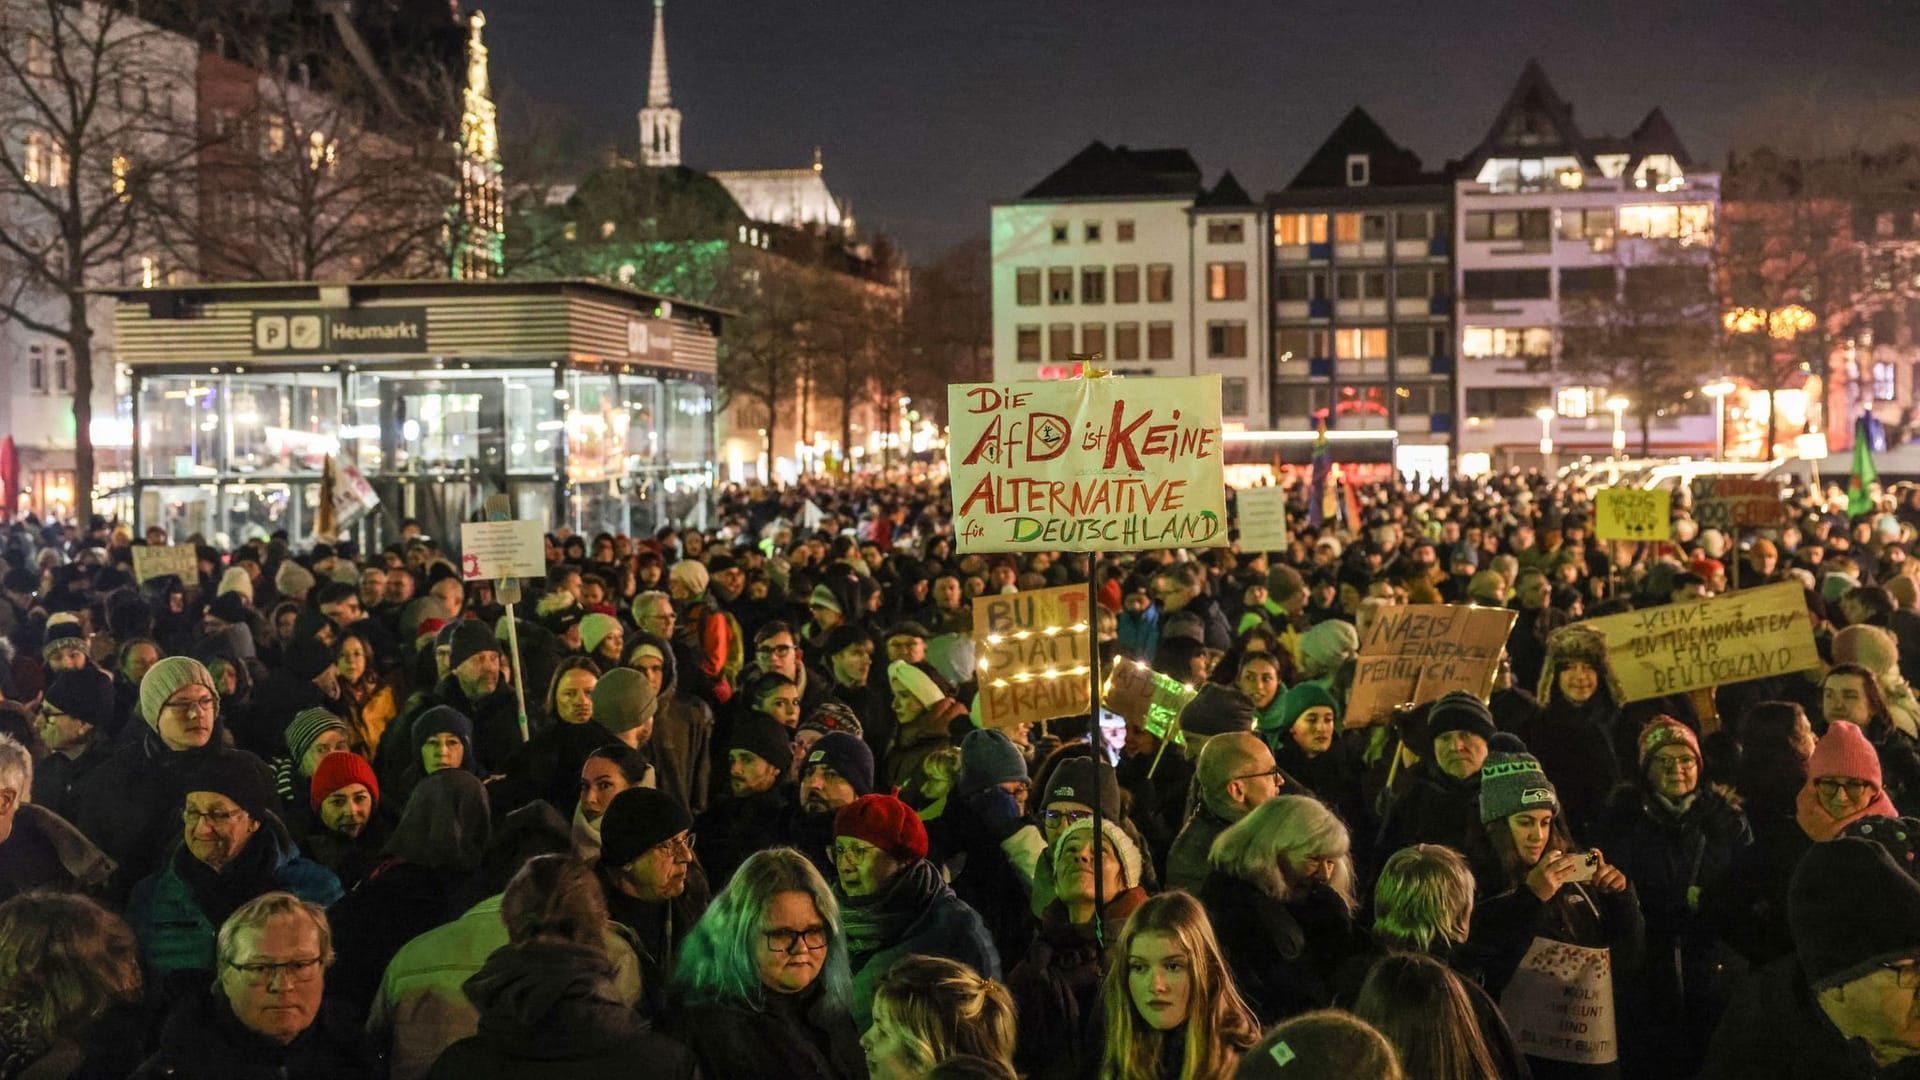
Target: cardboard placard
{"x": 1087, "y": 464}
{"x": 1414, "y": 653}
{"x": 1673, "y": 648}
{"x": 1141, "y": 695}
{"x": 1262, "y": 518}
{"x": 1560, "y": 1004}
{"x": 1737, "y": 502}
{"x": 180, "y": 560}
{"x": 491, "y": 550}
{"x": 1033, "y": 655}
{"x": 1627, "y": 514}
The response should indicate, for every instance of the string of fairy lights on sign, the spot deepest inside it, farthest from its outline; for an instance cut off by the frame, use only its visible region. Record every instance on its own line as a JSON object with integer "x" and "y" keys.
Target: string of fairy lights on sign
{"x": 1044, "y": 673}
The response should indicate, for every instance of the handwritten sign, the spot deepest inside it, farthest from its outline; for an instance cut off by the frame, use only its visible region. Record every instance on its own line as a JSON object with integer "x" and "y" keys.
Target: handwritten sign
{"x": 1143, "y": 696}
{"x": 1414, "y": 653}
{"x": 1087, "y": 464}
{"x": 180, "y": 560}
{"x": 1625, "y": 514}
{"x": 1737, "y": 502}
{"x": 1673, "y": 648}
{"x": 491, "y": 550}
{"x": 1560, "y": 1003}
{"x": 1262, "y": 518}
{"x": 1033, "y": 655}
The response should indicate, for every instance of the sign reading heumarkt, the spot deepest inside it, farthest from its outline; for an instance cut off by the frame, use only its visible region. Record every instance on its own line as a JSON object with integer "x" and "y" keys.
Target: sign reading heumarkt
{"x": 1087, "y": 464}
{"x": 492, "y": 550}
{"x": 312, "y": 331}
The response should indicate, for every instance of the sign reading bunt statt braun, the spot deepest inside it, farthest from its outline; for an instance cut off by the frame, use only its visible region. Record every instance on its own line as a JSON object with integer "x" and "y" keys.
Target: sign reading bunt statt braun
{"x": 310, "y": 331}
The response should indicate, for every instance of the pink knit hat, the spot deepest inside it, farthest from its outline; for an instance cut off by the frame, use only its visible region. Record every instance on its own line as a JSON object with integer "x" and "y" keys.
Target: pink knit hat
{"x": 1844, "y": 752}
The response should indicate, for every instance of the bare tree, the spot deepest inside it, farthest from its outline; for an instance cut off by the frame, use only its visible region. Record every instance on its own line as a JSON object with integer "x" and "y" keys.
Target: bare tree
{"x": 1643, "y": 329}
{"x": 949, "y": 322}
{"x": 96, "y": 131}
{"x": 767, "y": 352}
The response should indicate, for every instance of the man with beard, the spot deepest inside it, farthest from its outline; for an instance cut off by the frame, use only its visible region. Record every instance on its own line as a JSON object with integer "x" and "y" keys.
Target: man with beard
{"x": 350, "y": 831}
{"x": 753, "y": 816}
{"x": 653, "y": 886}
{"x": 837, "y": 770}
{"x": 477, "y": 688}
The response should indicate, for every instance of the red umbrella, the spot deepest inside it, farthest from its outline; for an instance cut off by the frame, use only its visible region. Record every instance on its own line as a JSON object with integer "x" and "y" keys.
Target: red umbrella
{"x": 9, "y": 478}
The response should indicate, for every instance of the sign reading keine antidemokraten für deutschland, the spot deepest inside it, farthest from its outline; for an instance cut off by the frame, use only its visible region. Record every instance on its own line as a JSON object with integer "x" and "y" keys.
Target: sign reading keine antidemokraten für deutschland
{"x": 1087, "y": 464}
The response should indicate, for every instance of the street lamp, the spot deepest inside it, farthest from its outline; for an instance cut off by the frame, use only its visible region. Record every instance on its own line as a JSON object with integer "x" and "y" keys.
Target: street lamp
{"x": 1546, "y": 414}
{"x": 1718, "y": 390}
{"x": 1617, "y": 405}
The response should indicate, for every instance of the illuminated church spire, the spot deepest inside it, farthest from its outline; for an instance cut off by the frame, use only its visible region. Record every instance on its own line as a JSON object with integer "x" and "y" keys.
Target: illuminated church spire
{"x": 477, "y": 238}
{"x": 659, "y": 121}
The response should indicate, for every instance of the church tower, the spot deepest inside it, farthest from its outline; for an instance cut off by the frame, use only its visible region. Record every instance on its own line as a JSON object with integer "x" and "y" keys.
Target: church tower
{"x": 659, "y": 121}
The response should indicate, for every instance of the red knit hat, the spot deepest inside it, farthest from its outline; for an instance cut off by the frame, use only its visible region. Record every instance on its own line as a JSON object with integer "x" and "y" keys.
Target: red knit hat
{"x": 1663, "y": 731}
{"x": 886, "y": 823}
{"x": 337, "y": 770}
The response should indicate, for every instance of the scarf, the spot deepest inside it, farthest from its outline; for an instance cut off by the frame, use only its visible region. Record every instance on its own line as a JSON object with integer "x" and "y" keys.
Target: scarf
{"x": 872, "y": 923}
{"x": 219, "y": 893}
{"x": 586, "y": 835}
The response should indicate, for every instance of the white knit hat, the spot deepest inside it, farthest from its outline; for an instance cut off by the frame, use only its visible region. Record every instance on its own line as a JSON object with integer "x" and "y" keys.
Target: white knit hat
{"x": 1122, "y": 843}
{"x": 236, "y": 580}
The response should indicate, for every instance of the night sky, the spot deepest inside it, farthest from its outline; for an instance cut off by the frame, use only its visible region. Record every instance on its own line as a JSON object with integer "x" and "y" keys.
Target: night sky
{"x": 929, "y": 110}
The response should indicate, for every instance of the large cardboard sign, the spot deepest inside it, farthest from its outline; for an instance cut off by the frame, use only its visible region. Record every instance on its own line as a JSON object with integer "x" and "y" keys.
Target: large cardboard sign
{"x": 1414, "y": 653}
{"x": 1673, "y": 648}
{"x": 1737, "y": 502}
{"x": 1626, "y": 514}
{"x": 180, "y": 560}
{"x": 1033, "y": 655}
{"x": 1262, "y": 515}
{"x": 1087, "y": 464}
{"x": 1143, "y": 696}
{"x": 492, "y": 550}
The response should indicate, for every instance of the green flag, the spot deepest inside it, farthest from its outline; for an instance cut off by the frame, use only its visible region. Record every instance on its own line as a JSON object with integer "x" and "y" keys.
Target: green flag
{"x": 1864, "y": 474}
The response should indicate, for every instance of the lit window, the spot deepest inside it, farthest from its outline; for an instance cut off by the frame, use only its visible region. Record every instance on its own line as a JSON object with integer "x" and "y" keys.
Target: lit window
{"x": 1690, "y": 223}
{"x": 148, "y": 271}
{"x": 1360, "y": 343}
{"x": 1483, "y": 342}
{"x": 120, "y": 169}
{"x": 1346, "y": 228}
{"x": 1296, "y": 229}
{"x": 1884, "y": 381}
{"x": 1227, "y": 281}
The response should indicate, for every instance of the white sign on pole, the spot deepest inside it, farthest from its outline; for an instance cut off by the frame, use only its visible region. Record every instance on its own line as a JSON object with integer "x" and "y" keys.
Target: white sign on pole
{"x": 490, "y": 550}
{"x": 1263, "y": 518}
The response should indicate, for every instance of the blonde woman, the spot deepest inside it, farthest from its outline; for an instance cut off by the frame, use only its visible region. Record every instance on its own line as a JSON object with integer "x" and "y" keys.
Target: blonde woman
{"x": 927, "y": 1010}
{"x": 1172, "y": 1012}
{"x": 70, "y": 991}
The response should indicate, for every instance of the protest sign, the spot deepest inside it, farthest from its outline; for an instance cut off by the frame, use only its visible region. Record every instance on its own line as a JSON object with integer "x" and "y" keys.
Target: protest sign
{"x": 1087, "y": 464}
{"x": 1737, "y": 502}
{"x": 1141, "y": 695}
{"x": 1626, "y": 514}
{"x": 180, "y": 560}
{"x": 1560, "y": 1003}
{"x": 1032, "y": 655}
{"x": 1262, "y": 518}
{"x": 353, "y": 497}
{"x": 1673, "y": 648}
{"x": 491, "y": 550}
{"x": 1414, "y": 653}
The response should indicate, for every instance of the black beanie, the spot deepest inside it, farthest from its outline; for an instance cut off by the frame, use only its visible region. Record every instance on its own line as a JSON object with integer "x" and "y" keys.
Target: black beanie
{"x": 240, "y": 777}
{"x": 1460, "y": 711}
{"x": 470, "y": 639}
{"x": 85, "y": 693}
{"x": 1084, "y": 780}
{"x": 1217, "y": 710}
{"x": 636, "y": 820}
{"x": 765, "y": 738}
{"x": 1851, "y": 908}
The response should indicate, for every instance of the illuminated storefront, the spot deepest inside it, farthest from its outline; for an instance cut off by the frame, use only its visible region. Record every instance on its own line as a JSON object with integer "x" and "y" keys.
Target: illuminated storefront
{"x": 586, "y": 402}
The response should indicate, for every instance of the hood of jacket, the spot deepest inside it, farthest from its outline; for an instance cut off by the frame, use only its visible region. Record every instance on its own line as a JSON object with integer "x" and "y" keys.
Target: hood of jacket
{"x": 89, "y": 865}
{"x": 550, "y": 1000}
{"x": 669, "y": 668}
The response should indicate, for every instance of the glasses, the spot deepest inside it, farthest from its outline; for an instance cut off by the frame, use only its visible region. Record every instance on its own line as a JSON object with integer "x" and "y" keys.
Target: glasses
{"x": 1684, "y": 763}
{"x": 664, "y": 616}
{"x": 219, "y": 819}
{"x": 293, "y": 971}
{"x": 1855, "y": 789}
{"x": 1274, "y": 772}
{"x": 675, "y": 845}
{"x": 774, "y": 650}
{"x": 1070, "y": 817}
{"x": 789, "y": 942}
{"x": 204, "y": 706}
{"x": 858, "y": 851}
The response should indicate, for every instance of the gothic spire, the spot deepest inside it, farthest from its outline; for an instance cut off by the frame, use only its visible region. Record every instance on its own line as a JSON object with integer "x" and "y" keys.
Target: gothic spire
{"x": 659, "y": 95}
{"x": 659, "y": 121}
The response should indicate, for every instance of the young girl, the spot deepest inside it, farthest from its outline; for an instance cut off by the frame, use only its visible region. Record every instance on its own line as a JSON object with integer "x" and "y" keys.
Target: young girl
{"x": 1172, "y": 1012}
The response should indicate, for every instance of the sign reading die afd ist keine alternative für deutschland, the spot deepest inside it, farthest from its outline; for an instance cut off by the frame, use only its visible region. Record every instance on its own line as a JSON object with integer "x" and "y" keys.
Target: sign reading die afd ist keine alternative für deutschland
{"x": 1087, "y": 464}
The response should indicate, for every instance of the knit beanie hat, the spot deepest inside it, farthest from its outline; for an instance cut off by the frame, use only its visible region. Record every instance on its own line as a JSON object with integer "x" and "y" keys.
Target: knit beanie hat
{"x": 823, "y": 597}
{"x": 1836, "y": 585}
{"x": 1460, "y": 711}
{"x": 1085, "y": 780}
{"x": 1510, "y": 783}
{"x": 636, "y": 820}
{"x": 623, "y": 700}
{"x": 337, "y": 770}
{"x": 1844, "y": 751}
{"x": 1298, "y": 700}
{"x": 1217, "y": 710}
{"x": 308, "y": 656}
{"x": 886, "y": 823}
{"x": 840, "y": 638}
{"x": 292, "y": 580}
{"x": 763, "y": 737}
{"x": 469, "y": 639}
{"x": 1869, "y": 646}
{"x": 845, "y": 754}
{"x": 595, "y": 628}
{"x": 307, "y": 726}
{"x": 229, "y": 607}
{"x": 1327, "y": 645}
{"x": 239, "y": 777}
{"x": 86, "y": 694}
{"x": 443, "y": 636}
{"x": 989, "y": 758}
{"x": 165, "y": 679}
{"x": 1663, "y": 731}
{"x": 690, "y": 574}
{"x": 1115, "y": 835}
{"x": 445, "y": 719}
{"x": 917, "y": 682}
{"x": 62, "y": 632}
{"x": 1852, "y": 909}
{"x": 831, "y": 716}
{"x": 235, "y": 579}
{"x": 1899, "y": 837}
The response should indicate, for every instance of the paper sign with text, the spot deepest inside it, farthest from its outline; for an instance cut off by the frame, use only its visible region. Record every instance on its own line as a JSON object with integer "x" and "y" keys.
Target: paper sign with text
{"x": 1737, "y": 502}
{"x": 180, "y": 560}
{"x": 1032, "y": 655}
{"x": 491, "y": 550}
{"x": 1627, "y": 514}
{"x": 1262, "y": 518}
{"x": 1087, "y": 464}
{"x": 1673, "y": 648}
{"x": 1414, "y": 653}
{"x": 1145, "y": 697}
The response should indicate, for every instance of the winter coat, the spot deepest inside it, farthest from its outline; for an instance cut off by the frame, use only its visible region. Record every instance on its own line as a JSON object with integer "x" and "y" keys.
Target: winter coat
{"x": 1159, "y": 802}
{"x": 1283, "y": 953}
{"x": 916, "y": 913}
{"x": 790, "y": 1036}
{"x": 177, "y": 912}
{"x": 736, "y": 826}
{"x": 1774, "y": 1027}
{"x": 203, "y": 1040}
{"x": 1509, "y": 1063}
{"x": 548, "y": 767}
{"x": 913, "y": 743}
{"x": 654, "y": 931}
{"x": 275, "y": 703}
{"x": 397, "y": 902}
{"x": 1056, "y": 989}
{"x": 45, "y": 852}
{"x": 1187, "y": 860}
{"x": 109, "y": 1048}
{"x": 1576, "y": 749}
{"x": 1746, "y": 907}
{"x": 681, "y": 749}
{"x": 351, "y": 858}
{"x": 496, "y": 721}
{"x": 991, "y": 869}
{"x": 58, "y": 779}
{"x": 552, "y": 1010}
{"x": 1432, "y": 808}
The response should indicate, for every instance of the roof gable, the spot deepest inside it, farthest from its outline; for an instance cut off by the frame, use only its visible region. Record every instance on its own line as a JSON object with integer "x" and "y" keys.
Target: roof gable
{"x": 1104, "y": 171}
{"x": 1535, "y": 122}
{"x": 1388, "y": 163}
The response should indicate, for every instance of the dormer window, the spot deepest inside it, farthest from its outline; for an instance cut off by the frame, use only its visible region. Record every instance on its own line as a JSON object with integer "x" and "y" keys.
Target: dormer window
{"x": 1359, "y": 170}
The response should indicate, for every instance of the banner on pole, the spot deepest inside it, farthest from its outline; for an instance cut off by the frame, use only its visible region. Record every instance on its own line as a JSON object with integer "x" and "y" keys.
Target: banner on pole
{"x": 1033, "y": 655}
{"x": 1414, "y": 653}
{"x": 1673, "y": 648}
{"x": 1626, "y": 514}
{"x": 181, "y": 560}
{"x": 1087, "y": 464}
{"x": 1737, "y": 502}
{"x": 1262, "y": 518}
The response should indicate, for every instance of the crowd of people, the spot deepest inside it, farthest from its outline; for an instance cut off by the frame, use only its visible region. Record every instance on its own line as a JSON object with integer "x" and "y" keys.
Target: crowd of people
{"x": 718, "y": 803}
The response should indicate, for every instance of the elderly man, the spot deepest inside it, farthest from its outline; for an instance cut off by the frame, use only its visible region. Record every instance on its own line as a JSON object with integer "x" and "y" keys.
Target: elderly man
{"x": 476, "y": 686}
{"x": 653, "y": 885}
{"x": 264, "y": 1017}
{"x": 1235, "y": 773}
{"x": 38, "y": 849}
{"x": 77, "y": 714}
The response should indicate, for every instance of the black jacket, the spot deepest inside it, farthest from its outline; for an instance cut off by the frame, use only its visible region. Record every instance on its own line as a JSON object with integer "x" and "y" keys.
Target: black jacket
{"x": 203, "y": 1039}
{"x": 496, "y": 720}
{"x": 1433, "y": 808}
{"x": 1775, "y": 1028}
{"x": 735, "y": 827}
{"x": 57, "y": 778}
{"x": 1283, "y": 953}
{"x": 681, "y": 748}
{"x": 655, "y": 929}
{"x": 792, "y": 1036}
